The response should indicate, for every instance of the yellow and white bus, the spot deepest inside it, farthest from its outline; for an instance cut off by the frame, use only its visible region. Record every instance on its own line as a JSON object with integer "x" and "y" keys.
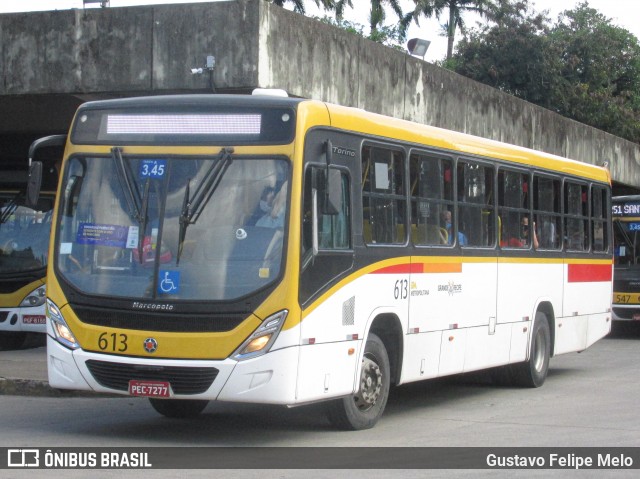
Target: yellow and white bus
{"x": 288, "y": 251}
{"x": 24, "y": 246}
{"x": 626, "y": 271}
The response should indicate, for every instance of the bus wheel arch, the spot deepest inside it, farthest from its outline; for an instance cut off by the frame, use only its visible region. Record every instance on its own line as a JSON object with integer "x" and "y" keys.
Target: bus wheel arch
{"x": 379, "y": 369}
{"x": 388, "y": 328}
{"x": 533, "y": 372}
{"x": 547, "y": 308}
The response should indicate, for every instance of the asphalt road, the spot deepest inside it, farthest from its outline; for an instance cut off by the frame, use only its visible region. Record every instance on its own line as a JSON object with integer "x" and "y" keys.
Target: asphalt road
{"x": 589, "y": 400}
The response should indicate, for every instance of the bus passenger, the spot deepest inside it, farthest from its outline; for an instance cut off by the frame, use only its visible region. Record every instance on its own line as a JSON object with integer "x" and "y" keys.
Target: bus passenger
{"x": 275, "y": 217}
{"x": 265, "y": 205}
{"x": 523, "y": 240}
{"x": 446, "y": 221}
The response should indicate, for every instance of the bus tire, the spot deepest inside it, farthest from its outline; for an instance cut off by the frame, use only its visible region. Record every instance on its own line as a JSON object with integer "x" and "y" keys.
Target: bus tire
{"x": 11, "y": 340}
{"x": 363, "y": 409}
{"x": 533, "y": 372}
{"x": 179, "y": 408}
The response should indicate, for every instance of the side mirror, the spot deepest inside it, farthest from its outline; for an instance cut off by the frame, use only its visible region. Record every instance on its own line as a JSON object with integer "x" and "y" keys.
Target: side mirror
{"x": 332, "y": 204}
{"x": 34, "y": 183}
{"x": 333, "y": 190}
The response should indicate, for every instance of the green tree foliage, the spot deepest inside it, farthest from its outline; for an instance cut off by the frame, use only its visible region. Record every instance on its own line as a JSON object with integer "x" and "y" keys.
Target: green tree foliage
{"x": 514, "y": 54}
{"x": 583, "y": 67}
{"x": 599, "y": 82}
{"x": 455, "y": 10}
{"x": 390, "y": 35}
{"x": 377, "y": 16}
{"x": 298, "y": 5}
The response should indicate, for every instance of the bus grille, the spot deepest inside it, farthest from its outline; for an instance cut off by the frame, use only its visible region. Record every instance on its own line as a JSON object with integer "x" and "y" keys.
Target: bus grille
{"x": 183, "y": 380}
{"x": 164, "y": 322}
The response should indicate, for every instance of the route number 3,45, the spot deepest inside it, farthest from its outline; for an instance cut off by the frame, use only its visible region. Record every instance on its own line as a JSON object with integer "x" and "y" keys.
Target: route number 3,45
{"x": 401, "y": 289}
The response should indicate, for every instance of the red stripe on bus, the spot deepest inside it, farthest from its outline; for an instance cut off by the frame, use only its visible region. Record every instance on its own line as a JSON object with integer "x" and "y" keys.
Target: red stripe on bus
{"x": 588, "y": 273}
{"x": 406, "y": 268}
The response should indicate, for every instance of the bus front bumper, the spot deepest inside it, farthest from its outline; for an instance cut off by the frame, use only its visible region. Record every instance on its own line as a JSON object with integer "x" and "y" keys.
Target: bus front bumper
{"x": 25, "y": 320}
{"x": 265, "y": 379}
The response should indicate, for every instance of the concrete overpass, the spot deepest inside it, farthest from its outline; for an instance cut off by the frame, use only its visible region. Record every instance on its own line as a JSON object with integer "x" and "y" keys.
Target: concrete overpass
{"x": 50, "y": 62}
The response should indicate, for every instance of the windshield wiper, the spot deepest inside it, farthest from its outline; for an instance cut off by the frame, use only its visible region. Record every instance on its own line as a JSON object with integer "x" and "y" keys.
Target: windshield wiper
{"x": 193, "y": 207}
{"x": 137, "y": 206}
{"x": 143, "y": 220}
{"x": 8, "y": 210}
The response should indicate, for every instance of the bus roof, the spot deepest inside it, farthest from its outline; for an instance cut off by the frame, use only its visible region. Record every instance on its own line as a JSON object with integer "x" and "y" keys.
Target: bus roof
{"x": 361, "y": 121}
{"x": 198, "y": 100}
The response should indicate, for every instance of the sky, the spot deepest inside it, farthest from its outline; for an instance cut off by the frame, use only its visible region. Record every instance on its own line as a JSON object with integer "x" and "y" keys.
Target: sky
{"x": 624, "y": 13}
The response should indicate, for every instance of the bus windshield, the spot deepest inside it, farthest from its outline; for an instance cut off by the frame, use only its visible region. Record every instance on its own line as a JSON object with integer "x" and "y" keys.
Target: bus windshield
{"x": 24, "y": 235}
{"x": 173, "y": 228}
{"x": 627, "y": 241}
{"x": 626, "y": 221}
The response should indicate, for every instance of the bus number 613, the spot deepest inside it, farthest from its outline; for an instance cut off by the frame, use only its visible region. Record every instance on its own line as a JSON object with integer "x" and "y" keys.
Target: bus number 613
{"x": 113, "y": 341}
{"x": 401, "y": 289}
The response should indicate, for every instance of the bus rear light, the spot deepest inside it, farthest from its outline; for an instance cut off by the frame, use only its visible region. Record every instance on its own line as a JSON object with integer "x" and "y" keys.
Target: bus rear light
{"x": 262, "y": 338}
{"x": 352, "y": 337}
{"x": 61, "y": 331}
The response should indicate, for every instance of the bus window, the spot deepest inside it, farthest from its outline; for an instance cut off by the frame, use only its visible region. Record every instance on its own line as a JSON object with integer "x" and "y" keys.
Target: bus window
{"x": 516, "y": 228}
{"x": 576, "y": 216}
{"x": 599, "y": 224}
{"x": 383, "y": 196}
{"x": 431, "y": 181}
{"x": 546, "y": 208}
{"x": 476, "y": 203}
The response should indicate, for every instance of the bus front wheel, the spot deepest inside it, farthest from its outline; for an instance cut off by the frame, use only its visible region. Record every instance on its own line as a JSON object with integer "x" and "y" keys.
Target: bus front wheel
{"x": 532, "y": 373}
{"x": 363, "y": 409}
{"x": 179, "y": 408}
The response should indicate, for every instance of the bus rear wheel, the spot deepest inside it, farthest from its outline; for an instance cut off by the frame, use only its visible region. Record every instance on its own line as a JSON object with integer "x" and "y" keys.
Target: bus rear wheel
{"x": 179, "y": 408}
{"x": 532, "y": 373}
{"x": 363, "y": 409}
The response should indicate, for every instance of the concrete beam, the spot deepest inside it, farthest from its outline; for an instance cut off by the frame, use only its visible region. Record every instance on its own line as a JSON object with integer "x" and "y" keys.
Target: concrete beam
{"x": 65, "y": 57}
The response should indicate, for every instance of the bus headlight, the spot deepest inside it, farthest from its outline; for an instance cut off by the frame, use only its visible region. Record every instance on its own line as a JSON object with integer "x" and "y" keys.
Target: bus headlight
{"x": 262, "y": 338}
{"x": 60, "y": 329}
{"x": 35, "y": 298}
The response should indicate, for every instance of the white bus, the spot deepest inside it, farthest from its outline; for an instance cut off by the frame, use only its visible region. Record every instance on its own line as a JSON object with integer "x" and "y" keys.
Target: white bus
{"x": 288, "y": 251}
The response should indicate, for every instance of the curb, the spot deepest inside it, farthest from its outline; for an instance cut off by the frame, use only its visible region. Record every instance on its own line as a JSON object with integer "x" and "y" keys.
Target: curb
{"x": 31, "y": 387}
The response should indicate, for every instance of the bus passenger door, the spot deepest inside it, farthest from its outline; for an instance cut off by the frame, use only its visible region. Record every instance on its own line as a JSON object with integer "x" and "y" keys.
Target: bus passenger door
{"x": 329, "y": 328}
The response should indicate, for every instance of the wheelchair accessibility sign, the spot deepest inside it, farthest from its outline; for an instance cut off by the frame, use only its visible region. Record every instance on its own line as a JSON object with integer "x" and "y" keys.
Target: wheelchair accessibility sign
{"x": 169, "y": 282}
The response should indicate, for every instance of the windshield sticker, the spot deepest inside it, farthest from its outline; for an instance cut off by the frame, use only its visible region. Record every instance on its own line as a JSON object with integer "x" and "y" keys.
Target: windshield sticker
{"x": 132, "y": 237}
{"x": 102, "y": 235}
{"x": 152, "y": 168}
{"x": 382, "y": 176}
{"x": 66, "y": 248}
{"x": 169, "y": 282}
